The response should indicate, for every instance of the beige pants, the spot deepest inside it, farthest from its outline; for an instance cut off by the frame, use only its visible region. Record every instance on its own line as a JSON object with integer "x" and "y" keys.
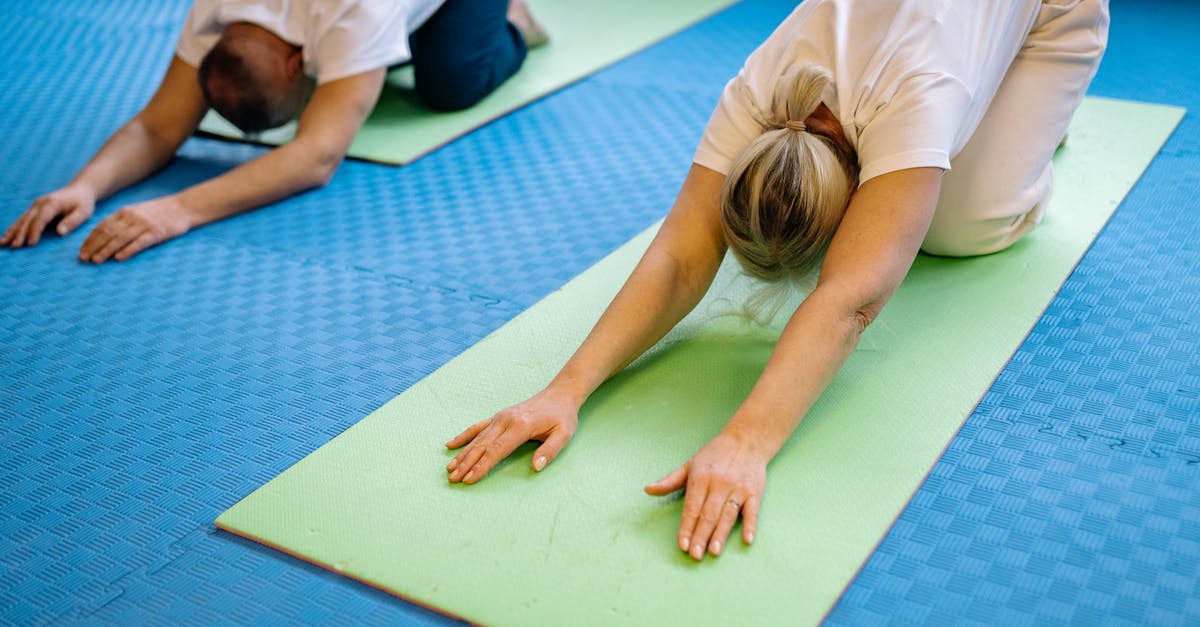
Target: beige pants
{"x": 998, "y": 186}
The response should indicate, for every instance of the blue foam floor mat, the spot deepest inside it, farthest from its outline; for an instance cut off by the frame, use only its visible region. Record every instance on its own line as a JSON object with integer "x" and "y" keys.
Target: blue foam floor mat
{"x": 140, "y": 400}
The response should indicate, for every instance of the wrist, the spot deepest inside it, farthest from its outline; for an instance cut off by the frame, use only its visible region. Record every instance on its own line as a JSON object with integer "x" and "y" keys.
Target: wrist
{"x": 178, "y": 212}
{"x": 568, "y": 389}
{"x": 84, "y": 187}
{"x": 754, "y": 433}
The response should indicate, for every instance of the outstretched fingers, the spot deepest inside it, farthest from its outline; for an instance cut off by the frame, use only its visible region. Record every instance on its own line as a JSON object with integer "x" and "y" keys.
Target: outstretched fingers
{"x": 715, "y": 504}
{"x": 467, "y": 435}
{"x": 72, "y": 220}
{"x": 10, "y": 234}
{"x": 139, "y": 243}
{"x": 17, "y": 234}
{"x": 485, "y": 455}
{"x": 750, "y": 518}
{"x": 731, "y": 508}
{"x": 670, "y": 483}
{"x": 550, "y": 449}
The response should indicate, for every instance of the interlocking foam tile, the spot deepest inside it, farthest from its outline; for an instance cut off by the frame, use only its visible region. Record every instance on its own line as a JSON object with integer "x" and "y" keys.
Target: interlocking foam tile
{"x": 84, "y": 540}
{"x": 153, "y": 390}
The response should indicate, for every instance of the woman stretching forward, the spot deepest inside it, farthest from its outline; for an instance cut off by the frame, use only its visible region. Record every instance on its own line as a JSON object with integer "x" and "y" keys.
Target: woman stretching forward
{"x": 859, "y": 133}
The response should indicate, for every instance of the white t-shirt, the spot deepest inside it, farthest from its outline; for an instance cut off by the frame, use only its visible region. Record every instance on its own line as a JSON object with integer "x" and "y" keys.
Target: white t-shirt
{"x": 911, "y": 78}
{"x": 338, "y": 38}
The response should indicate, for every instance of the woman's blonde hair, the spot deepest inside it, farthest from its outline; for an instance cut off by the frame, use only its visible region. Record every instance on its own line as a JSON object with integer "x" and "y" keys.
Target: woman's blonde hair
{"x": 788, "y": 189}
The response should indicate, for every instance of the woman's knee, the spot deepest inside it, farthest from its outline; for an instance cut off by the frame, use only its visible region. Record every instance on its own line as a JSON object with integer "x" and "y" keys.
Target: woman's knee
{"x": 970, "y": 237}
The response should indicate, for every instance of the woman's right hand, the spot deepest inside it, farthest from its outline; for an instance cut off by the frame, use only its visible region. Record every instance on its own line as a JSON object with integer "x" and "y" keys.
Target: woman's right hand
{"x": 74, "y": 204}
{"x": 547, "y": 417}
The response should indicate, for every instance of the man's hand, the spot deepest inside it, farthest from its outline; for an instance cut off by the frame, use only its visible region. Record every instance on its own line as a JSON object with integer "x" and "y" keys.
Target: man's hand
{"x": 134, "y": 229}
{"x": 73, "y": 204}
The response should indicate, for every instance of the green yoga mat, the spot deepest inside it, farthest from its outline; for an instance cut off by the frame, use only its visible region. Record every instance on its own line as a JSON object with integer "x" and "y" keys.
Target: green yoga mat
{"x": 580, "y": 543}
{"x": 586, "y": 35}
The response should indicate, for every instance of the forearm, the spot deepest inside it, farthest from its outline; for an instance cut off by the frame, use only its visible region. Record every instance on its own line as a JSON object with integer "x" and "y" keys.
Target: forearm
{"x": 670, "y": 279}
{"x": 871, "y": 253}
{"x": 276, "y": 175}
{"x": 130, "y": 155}
{"x": 813, "y": 347}
{"x": 653, "y": 300}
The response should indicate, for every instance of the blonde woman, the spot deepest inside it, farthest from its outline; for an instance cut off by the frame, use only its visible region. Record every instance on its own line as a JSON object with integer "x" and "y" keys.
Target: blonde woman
{"x": 859, "y": 133}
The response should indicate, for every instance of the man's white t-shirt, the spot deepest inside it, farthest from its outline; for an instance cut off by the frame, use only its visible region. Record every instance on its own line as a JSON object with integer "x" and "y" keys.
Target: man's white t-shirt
{"x": 911, "y": 78}
{"x": 338, "y": 38}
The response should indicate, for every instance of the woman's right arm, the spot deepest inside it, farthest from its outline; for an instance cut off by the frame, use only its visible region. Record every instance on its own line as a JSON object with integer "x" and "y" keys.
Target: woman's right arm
{"x": 670, "y": 279}
{"x": 139, "y": 148}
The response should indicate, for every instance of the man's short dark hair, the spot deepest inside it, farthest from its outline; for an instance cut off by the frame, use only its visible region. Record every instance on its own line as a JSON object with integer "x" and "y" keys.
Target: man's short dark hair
{"x": 239, "y": 98}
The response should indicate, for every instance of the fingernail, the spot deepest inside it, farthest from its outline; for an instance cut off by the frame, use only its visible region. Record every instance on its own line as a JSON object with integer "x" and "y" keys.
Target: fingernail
{"x": 698, "y": 551}
{"x": 539, "y": 463}
{"x": 750, "y": 538}
{"x": 451, "y": 466}
{"x": 469, "y": 475}
{"x": 716, "y": 548}
{"x": 686, "y": 543}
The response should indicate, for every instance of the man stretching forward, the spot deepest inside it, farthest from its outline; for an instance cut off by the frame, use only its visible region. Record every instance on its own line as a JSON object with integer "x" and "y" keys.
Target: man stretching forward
{"x": 261, "y": 63}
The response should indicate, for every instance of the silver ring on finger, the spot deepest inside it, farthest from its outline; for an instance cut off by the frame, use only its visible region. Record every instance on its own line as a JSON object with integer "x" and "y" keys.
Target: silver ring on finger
{"x": 734, "y": 502}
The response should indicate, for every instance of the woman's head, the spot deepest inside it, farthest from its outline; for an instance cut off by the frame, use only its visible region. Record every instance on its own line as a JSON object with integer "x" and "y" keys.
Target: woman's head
{"x": 787, "y": 191}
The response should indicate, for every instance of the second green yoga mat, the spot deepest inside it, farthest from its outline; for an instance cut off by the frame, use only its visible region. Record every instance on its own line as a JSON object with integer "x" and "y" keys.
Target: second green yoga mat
{"x": 586, "y": 35}
{"x": 580, "y": 543}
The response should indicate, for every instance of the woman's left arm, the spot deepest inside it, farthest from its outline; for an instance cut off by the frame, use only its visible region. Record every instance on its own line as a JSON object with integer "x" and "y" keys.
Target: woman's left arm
{"x": 873, "y": 249}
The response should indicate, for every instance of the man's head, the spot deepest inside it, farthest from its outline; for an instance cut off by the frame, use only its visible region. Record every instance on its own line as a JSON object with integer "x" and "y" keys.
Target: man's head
{"x": 254, "y": 79}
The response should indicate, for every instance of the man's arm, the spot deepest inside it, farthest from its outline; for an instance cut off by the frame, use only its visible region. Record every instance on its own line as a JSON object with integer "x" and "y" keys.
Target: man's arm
{"x": 136, "y": 150}
{"x": 329, "y": 123}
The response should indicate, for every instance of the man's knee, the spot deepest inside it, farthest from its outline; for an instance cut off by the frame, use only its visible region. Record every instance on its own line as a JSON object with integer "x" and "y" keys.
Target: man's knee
{"x": 453, "y": 89}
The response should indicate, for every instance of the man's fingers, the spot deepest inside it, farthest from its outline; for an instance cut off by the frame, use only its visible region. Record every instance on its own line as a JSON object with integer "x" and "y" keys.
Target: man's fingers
{"x": 139, "y": 243}
{"x": 37, "y": 222}
{"x": 72, "y": 220}
{"x": 18, "y": 229}
{"x": 119, "y": 237}
{"x": 12, "y": 229}
{"x": 550, "y": 449}
{"x": 94, "y": 241}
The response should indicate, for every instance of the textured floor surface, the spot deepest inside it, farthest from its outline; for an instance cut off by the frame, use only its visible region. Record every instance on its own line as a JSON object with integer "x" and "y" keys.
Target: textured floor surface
{"x": 141, "y": 399}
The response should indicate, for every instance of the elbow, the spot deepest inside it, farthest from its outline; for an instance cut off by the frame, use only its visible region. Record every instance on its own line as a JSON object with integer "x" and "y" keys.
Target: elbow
{"x": 856, "y": 308}
{"x": 321, "y": 177}
{"x": 315, "y": 162}
{"x": 321, "y": 171}
{"x": 862, "y": 316}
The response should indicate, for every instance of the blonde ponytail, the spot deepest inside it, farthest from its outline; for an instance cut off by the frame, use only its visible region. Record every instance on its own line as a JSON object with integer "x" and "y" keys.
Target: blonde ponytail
{"x": 787, "y": 191}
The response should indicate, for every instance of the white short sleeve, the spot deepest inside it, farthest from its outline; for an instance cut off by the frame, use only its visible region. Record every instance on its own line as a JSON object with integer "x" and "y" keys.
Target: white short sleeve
{"x": 200, "y": 33}
{"x": 358, "y": 37}
{"x": 733, "y": 125}
{"x": 338, "y": 38}
{"x": 917, "y": 127}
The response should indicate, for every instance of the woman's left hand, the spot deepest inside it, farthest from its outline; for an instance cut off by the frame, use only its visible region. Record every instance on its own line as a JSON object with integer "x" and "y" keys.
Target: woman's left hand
{"x": 724, "y": 480}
